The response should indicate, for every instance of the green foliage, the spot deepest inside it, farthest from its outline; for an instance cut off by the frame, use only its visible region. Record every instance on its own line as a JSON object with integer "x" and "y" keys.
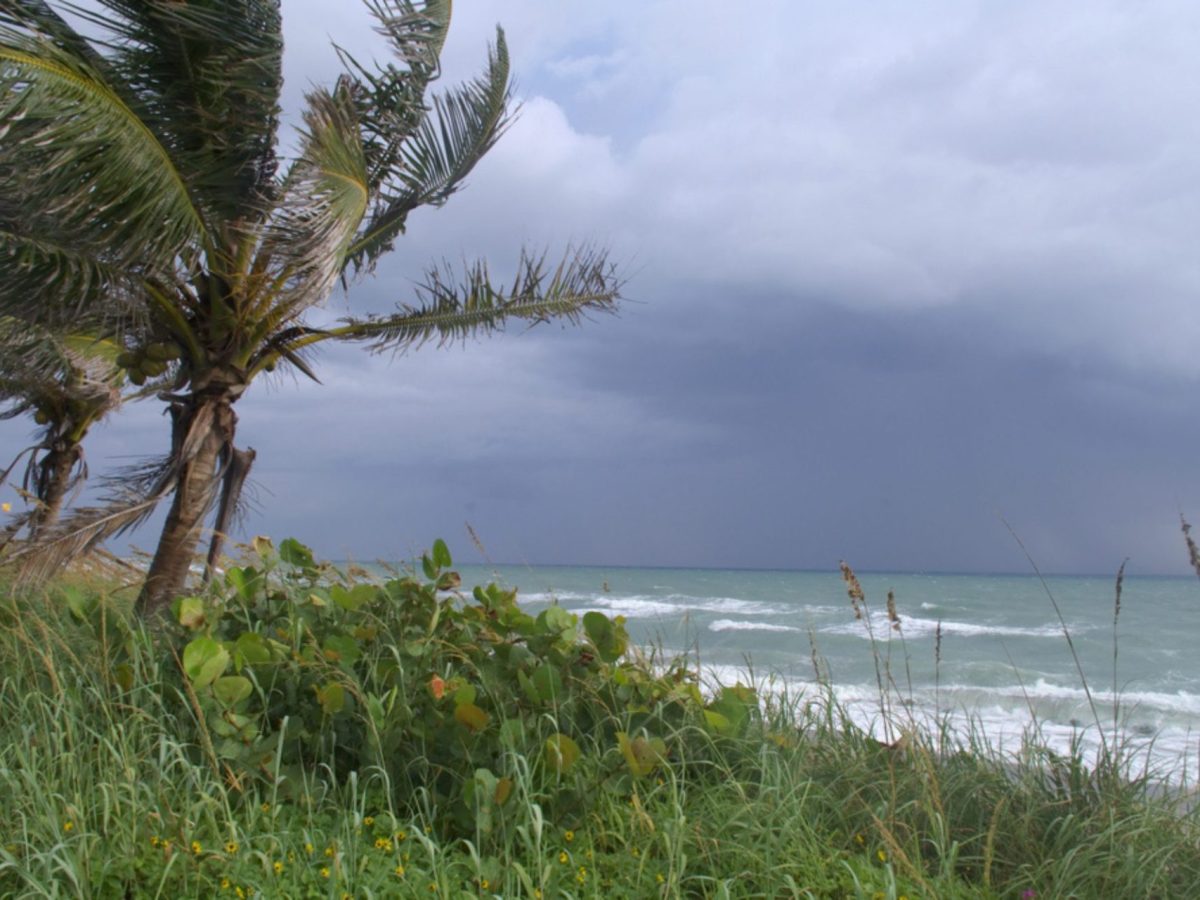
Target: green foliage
{"x": 293, "y": 666}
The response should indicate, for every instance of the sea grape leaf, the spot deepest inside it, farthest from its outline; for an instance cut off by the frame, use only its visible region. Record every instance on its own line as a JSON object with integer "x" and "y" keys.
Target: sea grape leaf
{"x": 294, "y": 553}
{"x": 332, "y": 698}
{"x": 231, "y": 690}
{"x": 642, "y": 755}
{"x": 557, "y": 619}
{"x": 251, "y": 648}
{"x": 471, "y": 716}
{"x": 546, "y": 682}
{"x": 204, "y": 660}
{"x": 441, "y": 555}
{"x": 191, "y": 613}
{"x": 607, "y": 635}
{"x": 562, "y": 752}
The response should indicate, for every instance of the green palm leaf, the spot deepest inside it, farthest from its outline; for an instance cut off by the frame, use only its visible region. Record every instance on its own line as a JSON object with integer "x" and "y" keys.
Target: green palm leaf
{"x": 81, "y": 170}
{"x": 456, "y": 307}
{"x": 207, "y": 76}
{"x": 425, "y": 167}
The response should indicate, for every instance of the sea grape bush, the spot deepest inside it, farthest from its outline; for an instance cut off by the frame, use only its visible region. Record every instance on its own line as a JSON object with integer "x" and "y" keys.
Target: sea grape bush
{"x": 459, "y": 697}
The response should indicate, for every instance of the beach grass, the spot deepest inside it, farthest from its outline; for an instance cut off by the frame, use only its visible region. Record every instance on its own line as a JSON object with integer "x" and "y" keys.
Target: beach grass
{"x": 111, "y": 788}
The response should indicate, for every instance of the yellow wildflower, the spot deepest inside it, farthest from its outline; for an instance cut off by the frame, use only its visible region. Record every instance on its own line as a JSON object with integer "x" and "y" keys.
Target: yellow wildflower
{"x": 369, "y": 821}
{"x": 400, "y": 835}
{"x": 659, "y": 877}
{"x": 5, "y": 507}
{"x": 68, "y": 826}
{"x": 154, "y": 841}
{"x": 308, "y": 848}
{"x": 266, "y": 807}
{"x": 224, "y": 884}
{"x": 240, "y": 892}
{"x": 882, "y": 856}
{"x": 196, "y": 848}
{"x": 569, "y": 835}
{"x": 329, "y": 851}
{"x": 562, "y": 857}
{"x": 399, "y": 870}
{"x": 278, "y": 867}
{"x": 231, "y": 847}
{"x": 324, "y": 871}
{"x": 483, "y": 884}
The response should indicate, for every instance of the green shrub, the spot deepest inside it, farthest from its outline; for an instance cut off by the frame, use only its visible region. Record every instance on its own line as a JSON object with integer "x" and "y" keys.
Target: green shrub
{"x": 293, "y": 665}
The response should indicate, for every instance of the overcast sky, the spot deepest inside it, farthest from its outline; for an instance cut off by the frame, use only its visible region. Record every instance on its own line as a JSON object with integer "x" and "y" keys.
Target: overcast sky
{"x": 895, "y": 270}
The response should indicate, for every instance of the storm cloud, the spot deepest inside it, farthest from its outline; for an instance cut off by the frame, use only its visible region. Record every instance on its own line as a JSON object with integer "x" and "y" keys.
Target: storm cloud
{"x": 895, "y": 270}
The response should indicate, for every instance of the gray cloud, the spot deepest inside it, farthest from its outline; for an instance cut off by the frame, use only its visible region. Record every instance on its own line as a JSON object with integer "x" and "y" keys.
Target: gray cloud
{"x": 896, "y": 268}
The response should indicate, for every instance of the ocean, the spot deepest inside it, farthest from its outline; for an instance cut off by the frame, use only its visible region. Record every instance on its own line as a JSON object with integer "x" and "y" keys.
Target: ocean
{"x": 1004, "y": 660}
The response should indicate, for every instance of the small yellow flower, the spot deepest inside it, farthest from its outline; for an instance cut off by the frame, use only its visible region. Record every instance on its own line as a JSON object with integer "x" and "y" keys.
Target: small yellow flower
{"x": 5, "y": 507}
{"x": 882, "y": 856}
{"x": 324, "y": 871}
{"x": 266, "y": 807}
{"x": 432, "y": 886}
{"x": 484, "y": 884}
{"x": 859, "y": 839}
{"x": 563, "y": 858}
{"x": 400, "y": 835}
{"x": 399, "y": 870}
{"x": 587, "y": 854}
{"x": 68, "y": 826}
{"x": 154, "y": 841}
{"x": 369, "y": 821}
{"x": 329, "y": 851}
{"x": 196, "y": 848}
{"x": 581, "y": 878}
{"x": 635, "y": 852}
{"x": 583, "y": 871}
{"x": 240, "y": 892}
{"x": 224, "y": 884}
{"x": 428, "y": 828}
{"x": 308, "y": 848}
{"x": 569, "y": 836}
{"x": 278, "y": 867}
{"x": 383, "y": 844}
{"x": 537, "y": 894}
{"x": 658, "y": 876}
{"x": 231, "y": 847}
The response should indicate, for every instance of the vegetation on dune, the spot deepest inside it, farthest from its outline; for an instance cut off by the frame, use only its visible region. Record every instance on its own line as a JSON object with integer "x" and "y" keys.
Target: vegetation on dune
{"x": 142, "y": 200}
{"x": 300, "y": 731}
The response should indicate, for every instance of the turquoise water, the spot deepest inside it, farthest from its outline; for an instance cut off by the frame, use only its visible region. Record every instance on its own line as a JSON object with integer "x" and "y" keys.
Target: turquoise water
{"x": 1004, "y": 661}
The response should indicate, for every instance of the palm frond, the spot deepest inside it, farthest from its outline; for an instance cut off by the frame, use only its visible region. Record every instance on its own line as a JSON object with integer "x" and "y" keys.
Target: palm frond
{"x": 456, "y": 307}
{"x": 82, "y": 170}
{"x": 207, "y": 77}
{"x": 426, "y": 165}
{"x": 323, "y": 200}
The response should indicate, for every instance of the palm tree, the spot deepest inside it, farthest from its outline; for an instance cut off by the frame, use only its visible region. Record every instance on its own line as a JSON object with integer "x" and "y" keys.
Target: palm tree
{"x": 141, "y": 196}
{"x": 68, "y": 384}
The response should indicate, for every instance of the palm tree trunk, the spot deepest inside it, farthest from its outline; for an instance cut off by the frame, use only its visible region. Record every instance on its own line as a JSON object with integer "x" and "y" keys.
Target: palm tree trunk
{"x": 53, "y": 482}
{"x": 236, "y": 473}
{"x": 203, "y": 433}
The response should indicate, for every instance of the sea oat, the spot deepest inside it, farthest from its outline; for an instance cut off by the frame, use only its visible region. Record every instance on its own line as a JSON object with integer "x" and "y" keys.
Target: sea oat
{"x": 854, "y": 589}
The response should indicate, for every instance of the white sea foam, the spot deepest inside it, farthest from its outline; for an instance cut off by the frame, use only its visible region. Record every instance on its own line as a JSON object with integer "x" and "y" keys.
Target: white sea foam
{"x": 641, "y": 606}
{"x": 736, "y": 625}
{"x": 1167, "y": 752}
{"x": 914, "y": 626}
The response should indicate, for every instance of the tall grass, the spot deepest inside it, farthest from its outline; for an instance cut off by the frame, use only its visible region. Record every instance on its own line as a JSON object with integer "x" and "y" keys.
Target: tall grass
{"x": 109, "y": 791}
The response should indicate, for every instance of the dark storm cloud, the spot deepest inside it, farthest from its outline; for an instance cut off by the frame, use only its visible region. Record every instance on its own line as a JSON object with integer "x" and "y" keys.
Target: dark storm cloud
{"x": 896, "y": 269}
